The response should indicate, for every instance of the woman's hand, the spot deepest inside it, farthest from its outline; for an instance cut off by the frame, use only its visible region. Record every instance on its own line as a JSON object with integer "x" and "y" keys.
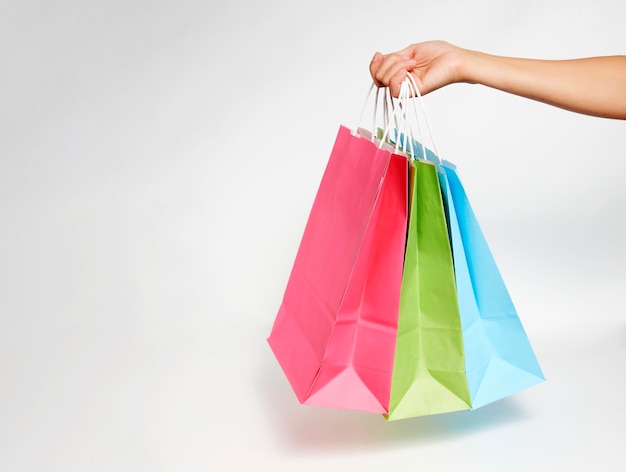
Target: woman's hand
{"x": 433, "y": 64}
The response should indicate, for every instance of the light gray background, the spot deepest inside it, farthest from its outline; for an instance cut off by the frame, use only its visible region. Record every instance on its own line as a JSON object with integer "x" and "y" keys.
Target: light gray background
{"x": 158, "y": 160}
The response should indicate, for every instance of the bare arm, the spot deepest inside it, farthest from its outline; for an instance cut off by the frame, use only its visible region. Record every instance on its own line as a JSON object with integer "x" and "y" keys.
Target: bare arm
{"x": 593, "y": 86}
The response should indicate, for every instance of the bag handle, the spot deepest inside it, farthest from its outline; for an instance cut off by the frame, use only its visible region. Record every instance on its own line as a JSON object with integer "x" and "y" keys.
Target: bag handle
{"x": 387, "y": 105}
{"x": 403, "y": 133}
{"x": 420, "y": 99}
{"x": 400, "y": 116}
{"x": 404, "y": 102}
{"x": 365, "y": 103}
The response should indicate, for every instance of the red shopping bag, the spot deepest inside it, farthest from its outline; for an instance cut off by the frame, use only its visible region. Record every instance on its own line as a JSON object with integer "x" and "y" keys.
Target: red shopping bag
{"x": 335, "y": 332}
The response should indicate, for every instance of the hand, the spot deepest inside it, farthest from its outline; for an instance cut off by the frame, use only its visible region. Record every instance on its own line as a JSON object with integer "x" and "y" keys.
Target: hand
{"x": 433, "y": 64}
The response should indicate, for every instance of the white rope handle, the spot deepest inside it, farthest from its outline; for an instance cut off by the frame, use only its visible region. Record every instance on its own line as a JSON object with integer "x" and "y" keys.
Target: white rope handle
{"x": 399, "y": 116}
{"x": 396, "y": 117}
{"x": 424, "y": 114}
{"x": 409, "y": 104}
{"x": 367, "y": 99}
{"x": 403, "y": 133}
{"x": 388, "y": 114}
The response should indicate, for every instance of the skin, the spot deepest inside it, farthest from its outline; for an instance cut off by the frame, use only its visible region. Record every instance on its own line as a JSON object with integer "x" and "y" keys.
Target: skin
{"x": 593, "y": 86}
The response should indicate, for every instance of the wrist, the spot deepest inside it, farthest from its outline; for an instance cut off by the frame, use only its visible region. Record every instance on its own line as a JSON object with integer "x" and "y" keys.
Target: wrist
{"x": 468, "y": 69}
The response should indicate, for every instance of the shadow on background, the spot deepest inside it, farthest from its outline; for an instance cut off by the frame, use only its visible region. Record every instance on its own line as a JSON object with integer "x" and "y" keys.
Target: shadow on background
{"x": 302, "y": 428}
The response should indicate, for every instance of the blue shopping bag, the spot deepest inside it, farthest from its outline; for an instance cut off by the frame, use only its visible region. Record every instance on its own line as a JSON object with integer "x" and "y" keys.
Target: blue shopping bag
{"x": 499, "y": 357}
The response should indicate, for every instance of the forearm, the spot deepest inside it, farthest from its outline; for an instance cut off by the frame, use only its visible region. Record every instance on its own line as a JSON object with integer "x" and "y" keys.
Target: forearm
{"x": 594, "y": 86}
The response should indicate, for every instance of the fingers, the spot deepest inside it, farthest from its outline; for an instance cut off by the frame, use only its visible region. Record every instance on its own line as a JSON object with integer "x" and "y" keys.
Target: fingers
{"x": 390, "y": 70}
{"x": 374, "y": 66}
{"x": 395, "y": 82}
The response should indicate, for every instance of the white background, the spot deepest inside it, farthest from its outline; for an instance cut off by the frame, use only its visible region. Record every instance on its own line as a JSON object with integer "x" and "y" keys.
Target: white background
{"x": 158, "y": 160}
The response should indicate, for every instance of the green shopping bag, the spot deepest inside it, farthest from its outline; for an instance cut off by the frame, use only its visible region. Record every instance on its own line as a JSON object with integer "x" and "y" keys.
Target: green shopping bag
{"x": 429, "y": 365}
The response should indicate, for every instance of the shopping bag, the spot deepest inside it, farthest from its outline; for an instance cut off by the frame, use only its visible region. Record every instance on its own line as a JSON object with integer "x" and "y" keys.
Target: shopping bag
{"x": 499, "y": 357}
{"x": 429, "y": 365}
{"x": 335, "y": 332}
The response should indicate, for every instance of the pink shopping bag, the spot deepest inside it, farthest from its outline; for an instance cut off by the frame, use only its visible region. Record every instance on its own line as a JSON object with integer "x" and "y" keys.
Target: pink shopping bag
{"x": 335, "y": 332}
